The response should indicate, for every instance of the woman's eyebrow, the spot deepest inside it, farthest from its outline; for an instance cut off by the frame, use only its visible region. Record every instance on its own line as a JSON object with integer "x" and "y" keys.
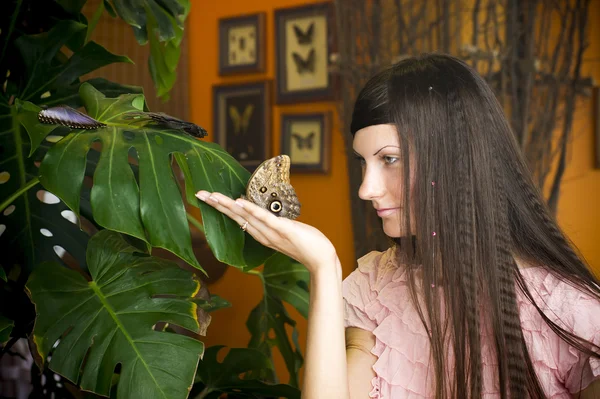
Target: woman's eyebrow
{"x": 386, "y": 146}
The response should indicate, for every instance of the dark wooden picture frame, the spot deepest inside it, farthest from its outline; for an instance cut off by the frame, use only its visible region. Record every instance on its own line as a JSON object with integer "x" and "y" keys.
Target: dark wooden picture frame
{"x": 242, "y": 121}
{"x": 306, "y": 138}
{"x": 242, "y": 37}
{"x": 305, "y": 40}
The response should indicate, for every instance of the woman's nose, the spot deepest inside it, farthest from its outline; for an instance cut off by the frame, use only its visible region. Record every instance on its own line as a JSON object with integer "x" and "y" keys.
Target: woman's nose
{"x": 371, "y": 187}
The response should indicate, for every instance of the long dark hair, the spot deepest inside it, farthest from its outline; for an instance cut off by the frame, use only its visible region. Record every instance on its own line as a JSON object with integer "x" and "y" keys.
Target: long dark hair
{"x": 476, "y": 210}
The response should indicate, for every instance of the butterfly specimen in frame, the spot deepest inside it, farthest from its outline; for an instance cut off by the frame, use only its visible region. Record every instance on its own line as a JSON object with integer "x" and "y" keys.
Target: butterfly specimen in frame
{"x": 162, "y": 119}
{"x": 305, "y": 65}
{"x": 70, "y": 117}
{"x": 304, "y": 37}
{"x": 304, "y": 141}
{"x": 240, "y": 121}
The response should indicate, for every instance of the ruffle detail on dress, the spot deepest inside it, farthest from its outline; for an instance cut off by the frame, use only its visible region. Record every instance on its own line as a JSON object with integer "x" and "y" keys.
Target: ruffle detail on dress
{"x": 401, "y": 343}
{"x": 558, "y": 364}
{"x": 378, "y": 299}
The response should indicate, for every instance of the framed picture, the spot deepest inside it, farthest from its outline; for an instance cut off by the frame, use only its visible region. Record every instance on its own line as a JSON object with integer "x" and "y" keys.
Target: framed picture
{"x": 242, "y": 115}
{"x": 242, "y": 44}
{"x": 306, "y": 138}
{"x": 304, "y": 41}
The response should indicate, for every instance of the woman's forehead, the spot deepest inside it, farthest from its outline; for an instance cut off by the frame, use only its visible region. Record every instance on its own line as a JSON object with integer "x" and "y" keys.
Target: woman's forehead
{"x": 375, "y": 137}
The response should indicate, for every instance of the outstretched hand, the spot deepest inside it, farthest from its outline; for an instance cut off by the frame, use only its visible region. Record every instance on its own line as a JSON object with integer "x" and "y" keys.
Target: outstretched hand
{"x": 297, "y": 240}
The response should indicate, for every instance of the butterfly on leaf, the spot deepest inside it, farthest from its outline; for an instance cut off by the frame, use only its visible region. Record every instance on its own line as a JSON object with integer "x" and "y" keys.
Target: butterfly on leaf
{"x": 168, "y": 121}
{"x": 305, "y": 65}
{"x": 304, "y": 141}
{"x": 304, "y": 37}
{"x": 240, "y": 121}
{"x": 70, "y": 117}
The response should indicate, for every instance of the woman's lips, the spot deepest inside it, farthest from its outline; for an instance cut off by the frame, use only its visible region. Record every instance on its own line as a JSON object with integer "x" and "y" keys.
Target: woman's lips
{"x": 386, "y": 211}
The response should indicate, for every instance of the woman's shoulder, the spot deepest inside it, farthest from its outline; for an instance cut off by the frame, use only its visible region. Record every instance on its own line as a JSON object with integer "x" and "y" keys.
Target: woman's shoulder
{"x": 560, "y": 299}
{"x": 571, "y": 308}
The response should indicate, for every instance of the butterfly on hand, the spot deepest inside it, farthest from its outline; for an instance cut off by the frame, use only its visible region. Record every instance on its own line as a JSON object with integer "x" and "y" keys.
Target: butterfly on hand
{"x": 240, "y": 121}
{"x": 304, "y": 141}
{"x": 305, "y": 65}
{"x": 304, "y": 37}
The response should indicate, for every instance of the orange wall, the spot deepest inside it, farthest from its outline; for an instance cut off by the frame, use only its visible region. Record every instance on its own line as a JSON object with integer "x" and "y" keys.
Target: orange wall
{"x": 579, "y": 201}
{"x": 324, "y": 198}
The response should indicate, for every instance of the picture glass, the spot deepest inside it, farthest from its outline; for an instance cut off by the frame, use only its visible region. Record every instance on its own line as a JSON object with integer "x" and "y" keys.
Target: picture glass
{"x": 242, "y": 45}
{"x": 242, "y": 116}
{"x": 306, "y": 58}
{"x": 305, "y": 142}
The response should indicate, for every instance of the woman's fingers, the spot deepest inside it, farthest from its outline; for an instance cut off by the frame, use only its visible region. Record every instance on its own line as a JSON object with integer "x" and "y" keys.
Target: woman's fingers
{"x": 237, "y": 213}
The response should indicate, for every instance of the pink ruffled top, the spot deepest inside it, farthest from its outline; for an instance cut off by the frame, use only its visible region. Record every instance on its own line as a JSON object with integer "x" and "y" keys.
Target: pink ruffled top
{"x": 377, "y": 299}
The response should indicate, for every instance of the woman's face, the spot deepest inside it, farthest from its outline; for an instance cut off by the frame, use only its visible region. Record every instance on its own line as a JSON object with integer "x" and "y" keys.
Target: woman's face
{"x": 378, "y": 149}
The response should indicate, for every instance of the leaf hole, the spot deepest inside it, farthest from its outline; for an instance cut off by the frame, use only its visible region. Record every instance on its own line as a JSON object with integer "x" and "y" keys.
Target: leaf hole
{"x": 67, "y": 258}
{"x": 4, "y": 177}
{"x": 271, "y": 334}
{"x": 46, "y": 233}
{"x": 9, "y": 210}
{"x": 69, "y": 215}
{"x": 47, "y": 197}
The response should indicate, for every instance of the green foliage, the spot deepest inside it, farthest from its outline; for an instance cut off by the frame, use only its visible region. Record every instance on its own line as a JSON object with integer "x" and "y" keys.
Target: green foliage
{"x": 110, "y": 319}
{"x": 216, "y": 378}
{"x": 150, "y": 209}
{"x": 283, "y": 280}
{"x": 161, "y": 23}
{"x": 98, "y": 311}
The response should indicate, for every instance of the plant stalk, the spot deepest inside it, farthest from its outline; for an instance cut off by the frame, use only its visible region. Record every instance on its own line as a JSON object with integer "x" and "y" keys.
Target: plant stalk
{"x": 31, "y": 183}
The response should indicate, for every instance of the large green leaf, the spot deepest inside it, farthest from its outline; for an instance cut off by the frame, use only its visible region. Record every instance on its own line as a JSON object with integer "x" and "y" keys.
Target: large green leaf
{"x": 215, "y": 378}
{"x": 45, "y": 74}
{"x": 161, "y": 22}
{"x": 110, "y": 321}
{"x": 288, "y": 280}
{"x": 270, "y": 317}
{"x": 284, "y": 280}
{"x": 36, "y": 228}
{"x": 150, "y": 208}
{"x": 6, "y": 326}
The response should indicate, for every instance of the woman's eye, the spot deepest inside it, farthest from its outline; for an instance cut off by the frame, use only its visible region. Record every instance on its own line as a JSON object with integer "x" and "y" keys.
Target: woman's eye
{"x": 390, "y": 160}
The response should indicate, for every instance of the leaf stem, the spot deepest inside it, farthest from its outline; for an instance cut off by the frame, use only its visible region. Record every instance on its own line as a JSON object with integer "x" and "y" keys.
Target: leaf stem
{"x": 31, "y": 183}
{"x": 196, "y": 223}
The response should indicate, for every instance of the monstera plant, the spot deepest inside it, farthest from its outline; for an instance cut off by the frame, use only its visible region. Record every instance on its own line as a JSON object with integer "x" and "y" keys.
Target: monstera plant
{"x": 82, "y": 209}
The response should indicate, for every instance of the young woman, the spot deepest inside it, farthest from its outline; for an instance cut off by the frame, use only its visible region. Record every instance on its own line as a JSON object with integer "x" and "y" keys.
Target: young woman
{"x": 480, "y": 294}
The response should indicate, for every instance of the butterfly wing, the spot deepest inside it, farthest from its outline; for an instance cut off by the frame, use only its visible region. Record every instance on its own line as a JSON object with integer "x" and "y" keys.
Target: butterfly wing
{"x": 269, "y": 187}
{"x": 169, "y": 121}
{"x": 70, "y": 117}
{"x": 299, "y": 141}
{"x": 304, "y": 37}
{"x": 234, "y": 115}
{"x": 245, "y": 122}
{"x": 310, "y": 62}
{"x": 309, "y": 140}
